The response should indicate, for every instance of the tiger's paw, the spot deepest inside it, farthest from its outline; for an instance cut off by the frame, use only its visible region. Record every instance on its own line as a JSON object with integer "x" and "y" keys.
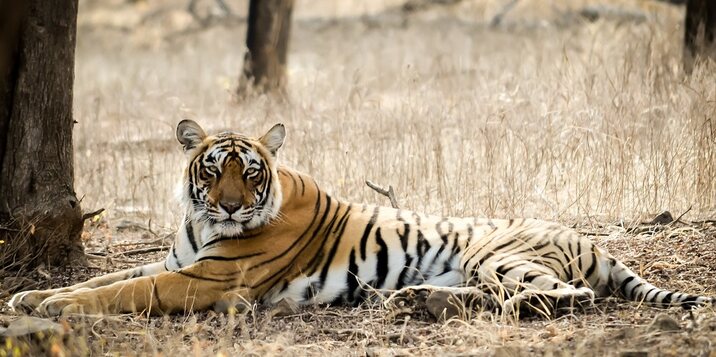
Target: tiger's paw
{"x": 407, "y": 299}
{"x": 28, "y": 301}
{"x": 76, "y": 302}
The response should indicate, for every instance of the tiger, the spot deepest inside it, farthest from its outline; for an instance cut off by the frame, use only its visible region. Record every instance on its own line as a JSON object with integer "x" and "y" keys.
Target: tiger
{"x": 258, "y": 232}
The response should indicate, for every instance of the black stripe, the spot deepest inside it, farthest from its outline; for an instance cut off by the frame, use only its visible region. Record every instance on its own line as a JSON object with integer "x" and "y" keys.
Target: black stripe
{"x": 689, "y": 299}
{"x": 491, "y": 224}
{"x": 649, "y": 292}
{"x": 190, "y": 236}
{"x": 569, "y": 258}
{"x": 438, "y": 228}
{"x": 579, "y": 257}
{"x": 623, "y": 285}
{"x": 667, "y": 299}
{"x": 176, "y": 258}
{"x": 406, "y": 267}
{"x": 592, "y": 266}
{"x": 503, "y": 269}
{"x": 225, "y": 238}
{"x": 331, "y": 254}
{"x": 193, "y": 276}
{"x": 303, "y": 185}
{"x": 531, "y": 276}
{"x": 352, "y": 277}
{"x": 416, "y": 217}
{"x": 437, "y": 255}
{"x": 382, "y": 263}
{"x": 533, "y": 248}
{"x": 223, "y": 258}
{"x": 499, "y": 249}
{"x": 637, "y": 295}
{"x": 422, "y": 247}
{"x": 404, "y": 238}
{"x": 366, "y": 232}
{"x": 155, "y": 293}
{"x": 455, "y": 247}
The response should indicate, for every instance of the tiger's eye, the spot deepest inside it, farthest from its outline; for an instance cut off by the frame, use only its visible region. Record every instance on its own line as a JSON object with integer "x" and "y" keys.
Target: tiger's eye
{"x": 212, "y": 170}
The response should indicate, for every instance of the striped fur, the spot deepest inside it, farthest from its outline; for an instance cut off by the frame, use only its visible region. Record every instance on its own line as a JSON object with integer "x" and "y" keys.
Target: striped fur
{"x": 254, "y": 231}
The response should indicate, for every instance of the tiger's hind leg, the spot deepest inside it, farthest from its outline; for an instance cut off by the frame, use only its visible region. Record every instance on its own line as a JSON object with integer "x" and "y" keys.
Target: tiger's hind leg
{"x": 443, "y": 302}
{"x": 545, "y": 295}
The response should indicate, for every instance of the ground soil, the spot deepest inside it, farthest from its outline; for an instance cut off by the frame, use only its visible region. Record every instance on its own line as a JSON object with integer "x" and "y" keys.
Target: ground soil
{"x": 678, "y": 255}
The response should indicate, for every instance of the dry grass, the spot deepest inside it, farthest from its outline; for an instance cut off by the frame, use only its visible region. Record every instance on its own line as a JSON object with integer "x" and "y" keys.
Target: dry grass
{"x": 546, "y": 116}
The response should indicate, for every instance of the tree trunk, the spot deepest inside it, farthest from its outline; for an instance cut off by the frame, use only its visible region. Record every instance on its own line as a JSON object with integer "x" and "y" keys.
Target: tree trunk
{"x": 40, "y": 216}
{"x": 700, "y": 32}
{"x": 267, "y": 38}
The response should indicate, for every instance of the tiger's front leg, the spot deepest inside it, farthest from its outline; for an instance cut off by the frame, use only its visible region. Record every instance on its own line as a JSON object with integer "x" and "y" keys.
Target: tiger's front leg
{"x": 193, "y": 288}
{"x": 28, "y": 301}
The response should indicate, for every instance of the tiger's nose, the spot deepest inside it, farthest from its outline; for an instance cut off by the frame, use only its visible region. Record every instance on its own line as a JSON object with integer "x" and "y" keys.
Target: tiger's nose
{"x": 230, "y": 207}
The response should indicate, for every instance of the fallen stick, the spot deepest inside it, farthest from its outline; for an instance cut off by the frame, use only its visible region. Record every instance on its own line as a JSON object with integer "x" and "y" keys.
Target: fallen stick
{"x": 141, "y": 251}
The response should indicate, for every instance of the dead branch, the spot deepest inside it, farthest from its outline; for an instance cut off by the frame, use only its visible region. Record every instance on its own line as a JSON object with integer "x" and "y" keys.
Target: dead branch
{"x": 678, "y": 219}
{"x": 92, "y": 214}
{"x": 390, "y": 193}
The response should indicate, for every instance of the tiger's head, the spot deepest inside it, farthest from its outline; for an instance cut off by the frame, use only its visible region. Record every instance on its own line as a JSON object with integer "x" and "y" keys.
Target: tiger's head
{"x": 231, "y": 181}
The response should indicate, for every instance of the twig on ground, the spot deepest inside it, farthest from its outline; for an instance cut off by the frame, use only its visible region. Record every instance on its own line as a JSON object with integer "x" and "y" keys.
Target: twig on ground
{"x": 165, "y": 238}
{"x": 346, "y": 331}
{"x": 96, "y": 256}
{"x": 141, "y": 251}
{"x": 390, "y": 193}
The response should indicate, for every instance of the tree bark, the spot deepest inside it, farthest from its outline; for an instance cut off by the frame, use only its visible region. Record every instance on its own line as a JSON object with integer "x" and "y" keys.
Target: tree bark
{"x": 699, "y": 32}
{"x": 40, "y": 216}
{"x": 267, "y": 37}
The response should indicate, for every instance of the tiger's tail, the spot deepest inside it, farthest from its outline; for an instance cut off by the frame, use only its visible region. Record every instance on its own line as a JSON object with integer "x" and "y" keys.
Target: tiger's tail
{"x": 627, "y": 284}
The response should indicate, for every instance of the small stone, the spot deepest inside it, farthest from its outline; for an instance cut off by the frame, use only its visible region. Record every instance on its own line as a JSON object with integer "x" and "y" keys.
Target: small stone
{"x": 664, "y": 322}
{"x": 27, "y": 326}
{"x": 285, "y": 307}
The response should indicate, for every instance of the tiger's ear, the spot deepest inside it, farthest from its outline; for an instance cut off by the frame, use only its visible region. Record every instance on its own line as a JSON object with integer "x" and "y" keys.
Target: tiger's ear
{"x": 273, "y": 139}
{"x": 190, "y": 134}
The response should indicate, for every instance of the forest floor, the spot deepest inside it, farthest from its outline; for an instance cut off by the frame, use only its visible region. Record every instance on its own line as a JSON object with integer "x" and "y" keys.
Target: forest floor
{"x": 549, "y": 113}
{"x": 678, "y": 255}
